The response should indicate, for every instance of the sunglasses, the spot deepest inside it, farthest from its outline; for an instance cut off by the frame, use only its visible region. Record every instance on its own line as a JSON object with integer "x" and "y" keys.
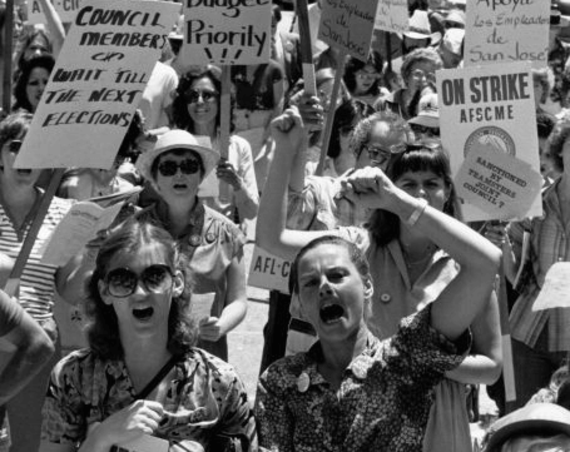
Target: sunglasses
{"x": 15, "y": 146}
{"x": 423, "y": 130}
{"x": 193, "y": 96}
{"x": 122, "y": 282}
{"x": 169, "y": 168}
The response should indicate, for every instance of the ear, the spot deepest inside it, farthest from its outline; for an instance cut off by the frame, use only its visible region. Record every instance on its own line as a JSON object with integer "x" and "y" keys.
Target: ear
{"x": 103, "y": 292}
{"x": 368, "y": 288}
{"x": 178, "y": 284}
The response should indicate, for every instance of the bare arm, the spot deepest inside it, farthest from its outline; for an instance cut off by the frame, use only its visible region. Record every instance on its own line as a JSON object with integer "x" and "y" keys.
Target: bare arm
{"x": 54, "y": 26}
{"x": 289, "y": 135}
{"x": 464, "y": 297}
{"x": 483, "y": 365}
{"x": 33, "y": 347}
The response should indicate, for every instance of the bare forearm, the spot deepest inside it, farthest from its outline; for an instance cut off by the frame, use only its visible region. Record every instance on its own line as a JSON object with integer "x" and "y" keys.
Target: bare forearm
{"x": 232, "y": 315}
{"x": 476, "y": 369}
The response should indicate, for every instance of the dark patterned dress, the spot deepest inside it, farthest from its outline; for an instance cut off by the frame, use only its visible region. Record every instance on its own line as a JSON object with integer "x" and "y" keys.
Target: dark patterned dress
{"x": 383, "y": 401}
{"x": 205, "y": 397}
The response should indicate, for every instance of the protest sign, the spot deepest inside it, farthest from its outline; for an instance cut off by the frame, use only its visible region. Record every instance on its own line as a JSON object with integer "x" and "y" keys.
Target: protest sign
{"x": 67, "y": 9}
{"x": 392, "y": 15}
{"x": 268, "y": 271}
{"x": 500, "y": 31}
{"x": 491, "y": 107}
{"x": 555, "y": 291}
{"x": 226, "y": 33}
{"x": 348, "y": 25}
{"x": 96, "y": 85}
{"x": 497, "y": 183}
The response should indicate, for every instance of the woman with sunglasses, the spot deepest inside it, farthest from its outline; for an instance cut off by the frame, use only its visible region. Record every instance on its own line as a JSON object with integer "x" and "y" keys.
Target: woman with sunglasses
{"x": 335, "y": 393}
{"x": 212, "y": 243}
{"x": 410, "y": 270}
{"x": 363, "y": 79}
{"x": 196, "y": 108}
{"x": 19, "y": 200}
{"x": 141, "y": 375}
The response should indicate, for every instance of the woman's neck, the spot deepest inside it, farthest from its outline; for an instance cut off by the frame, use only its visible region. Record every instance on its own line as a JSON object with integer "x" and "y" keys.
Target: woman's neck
{"x": 18, "y": 196}
{"x": 208, "y": 130}
{"x": 179, "y": 215}
{"x": 413, "y": 242}
{"x": 337, "y": 356}
{"x": 144, "y": 357}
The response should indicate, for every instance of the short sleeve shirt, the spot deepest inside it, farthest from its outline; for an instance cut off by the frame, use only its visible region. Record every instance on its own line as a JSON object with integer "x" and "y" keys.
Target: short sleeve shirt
{"x": 205, "y": 396}
{"x": 383, "y": 401}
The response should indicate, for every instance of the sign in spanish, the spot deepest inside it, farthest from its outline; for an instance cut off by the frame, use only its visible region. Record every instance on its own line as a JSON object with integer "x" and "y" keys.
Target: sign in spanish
{"x": 227, "y": 31}
{"x": 392, "y": 15}
{"x": 505, "y": 31}
{"x": 491, "y": 108}
{"x": 96, "y": 85}
{"x": 497, "y": 183}
{"x": 67, "y": 9}
{"x": 555, "y": 291}
{"x": 268, "y": 271}
{"x": 348, "y": 25}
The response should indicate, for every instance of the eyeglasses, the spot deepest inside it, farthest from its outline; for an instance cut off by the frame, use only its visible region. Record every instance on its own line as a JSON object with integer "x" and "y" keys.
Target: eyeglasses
{"x": 193, "y": 96}
{"x": 423, "y": 130}
{"x": 169, "y": 168}
{"x": 419, "y": 74}
{"x": 365, "y": 74}
{"x": 15, "y": 146}
{"x": 122, "y": 282}
{"x": 378, "y": 154}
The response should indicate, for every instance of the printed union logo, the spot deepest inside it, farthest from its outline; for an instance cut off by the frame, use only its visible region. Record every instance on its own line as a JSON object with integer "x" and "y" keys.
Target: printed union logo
{"x": 490, "y": 137}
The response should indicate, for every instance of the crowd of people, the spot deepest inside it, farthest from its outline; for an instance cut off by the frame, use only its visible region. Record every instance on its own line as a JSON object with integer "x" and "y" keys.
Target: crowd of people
{"x": 392, "y": 319}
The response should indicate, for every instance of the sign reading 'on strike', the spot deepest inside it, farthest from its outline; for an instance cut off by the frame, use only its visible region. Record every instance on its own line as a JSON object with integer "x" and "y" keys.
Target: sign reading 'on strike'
{"x": 96, "y": 85}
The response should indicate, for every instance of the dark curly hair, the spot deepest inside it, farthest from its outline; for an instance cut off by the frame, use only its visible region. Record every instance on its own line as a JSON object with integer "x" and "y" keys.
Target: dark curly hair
{"x": 180, "y": 116}
{"x": 353, "y": 65}
{"x": 350, "y": 112}
{"x": 429, "y": 155}
{"x": 560, "y": 134}
{"x": 103, "y": 328}
{"x": 14, "y": 126}
{"x": 44, "y": 61}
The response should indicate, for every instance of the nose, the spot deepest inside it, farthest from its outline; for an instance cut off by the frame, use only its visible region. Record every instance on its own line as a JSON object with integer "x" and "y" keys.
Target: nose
{"x": 325, "y": 287}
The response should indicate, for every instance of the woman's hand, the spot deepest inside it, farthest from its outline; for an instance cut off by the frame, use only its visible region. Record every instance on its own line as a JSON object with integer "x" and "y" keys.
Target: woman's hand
{"x": 288, "y": 130}
{"x": 496, "y": 233}
{"x": 226, "y": 172}
{"x": 210, "y": 329}
{"x": 310, "y": 109}
{"x": 370, "y": 188}
{"x": 141, "y": 417}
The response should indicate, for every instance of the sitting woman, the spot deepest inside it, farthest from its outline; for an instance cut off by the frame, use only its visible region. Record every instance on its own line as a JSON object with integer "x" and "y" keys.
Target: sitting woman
{"x": 214, "y": 244}
{"x": 351, "y": 388}
{"x": 142, "y": 375}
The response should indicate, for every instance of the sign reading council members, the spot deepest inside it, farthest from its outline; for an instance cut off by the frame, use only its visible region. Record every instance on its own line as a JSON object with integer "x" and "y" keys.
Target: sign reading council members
{"x": 227, "y": 32}
{"x": 348, "y": 25}
{"x": 491, "y": 108}
{"x": 506, "y": 31}
{"x": 96, "y": 85}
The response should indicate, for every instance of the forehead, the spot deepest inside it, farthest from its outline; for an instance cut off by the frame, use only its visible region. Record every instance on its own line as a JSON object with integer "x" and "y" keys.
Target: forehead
{"x": 325, "y": 255}
{"x": 419, "y": 175}
{"x": 203, "y": 83}
{"x": 178, "y": 155}
{"x": 38, "y": 72}
{"x": 424, "y": 65}
{"x": 146, "y": 254}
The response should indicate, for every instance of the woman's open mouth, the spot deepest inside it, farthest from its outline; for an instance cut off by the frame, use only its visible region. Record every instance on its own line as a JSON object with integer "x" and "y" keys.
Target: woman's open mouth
{"x": 331, "y": 313}
{"x": 143, "y": 314}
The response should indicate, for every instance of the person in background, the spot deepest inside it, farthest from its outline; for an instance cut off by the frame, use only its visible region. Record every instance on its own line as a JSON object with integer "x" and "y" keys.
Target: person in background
{"x": 540, "y": 339}
{"x": 285, "y": 50}
{"x": 32, "y": 80}
{"x": 558, "y": 54}
{"x": 455, "y": 18}
{"x": 426, "y": 124}
{"x": 545, "y": 125}
{"x": 418, "y": 72}
{"x": 25, "y": 349}
{"x": 196, "y": 108}
{"x": 419, "y": 34}
{"x": 362, "y": 79}
{"x": 542, "y": 83}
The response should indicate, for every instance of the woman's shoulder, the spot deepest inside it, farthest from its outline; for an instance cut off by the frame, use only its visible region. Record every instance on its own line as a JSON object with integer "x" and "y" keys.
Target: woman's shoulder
{"x": 78, "y": 362}
{"x": 225, "y": 225}
{"x": 217, "y": 369}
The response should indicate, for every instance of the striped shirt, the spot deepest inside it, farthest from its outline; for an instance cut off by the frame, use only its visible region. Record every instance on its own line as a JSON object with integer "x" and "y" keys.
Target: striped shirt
{"x": 37, "y": 280}
{"x": 549, "y": 243}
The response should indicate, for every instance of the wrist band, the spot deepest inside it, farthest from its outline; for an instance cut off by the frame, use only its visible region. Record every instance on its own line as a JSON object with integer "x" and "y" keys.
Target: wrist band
{"x": 417, "y": 213}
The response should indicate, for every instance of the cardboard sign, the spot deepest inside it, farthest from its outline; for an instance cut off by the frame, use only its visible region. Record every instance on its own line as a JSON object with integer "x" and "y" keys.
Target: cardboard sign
{"x": 96, "y": 85}
{"x": 348, "y": 25}
{"x": 490, "y": 107}
{"x": 268, "y": 271}
{"x": 225, "y": 33}
{"x": 497, "y": 183}
{"x": 392, "y": 15}
{"x": 506, "y": 32}
{"x": 555, "y": 292}
{"x": 67, "y": 10}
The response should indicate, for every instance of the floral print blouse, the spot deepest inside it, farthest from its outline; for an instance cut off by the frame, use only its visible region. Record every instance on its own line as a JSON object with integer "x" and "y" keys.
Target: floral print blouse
{"x": 205, "y": 397}
{"x": 383, "y": 401}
